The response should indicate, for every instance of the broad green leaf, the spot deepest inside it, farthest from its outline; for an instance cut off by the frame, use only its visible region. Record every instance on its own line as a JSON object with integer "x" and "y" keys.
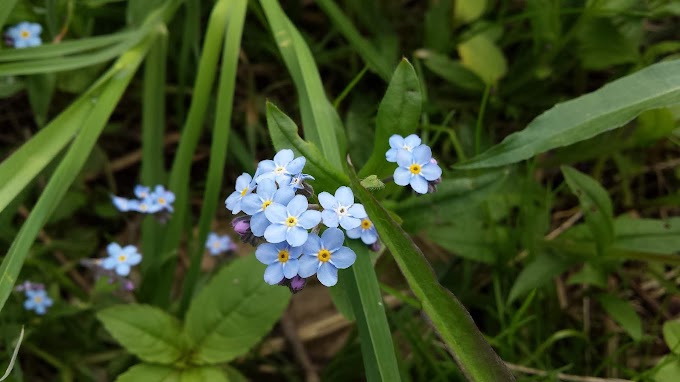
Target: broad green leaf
{"x": 233, "y": 312}
{"x": 596, "y": 206}
{"x": 398, "y": 113}
{"x": 584, "y": 117}
{"x": 469, "y": 239}
{"x": 145, "y": 331}
{"x": 669, "y": 371}
{"x": 653, "y": 125}
{"x": 474, "y": 355}
{"x": 623, "y": 313}
{"x": 203, "y": 374}
{"x": 671, "y": 335}
{"x": 148, "y": 372}
{"x": 648, "y": 235}
{"x": 601, "y": 45}
{"x": 538, "y": 273}
{"x": 452, "y": 71}
{"x": 234, "y": 375}
{"x": 467, "y": 11}
{"x": 106, "y": 100}
{"x": 482, "y": 56}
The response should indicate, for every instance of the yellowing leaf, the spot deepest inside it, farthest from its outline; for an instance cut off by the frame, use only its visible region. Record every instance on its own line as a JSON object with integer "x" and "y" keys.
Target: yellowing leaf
{"x": 484, "y": 58}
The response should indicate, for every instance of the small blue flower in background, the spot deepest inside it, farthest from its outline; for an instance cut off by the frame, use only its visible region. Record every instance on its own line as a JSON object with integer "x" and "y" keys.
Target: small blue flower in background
{"x": 255, "y": 204}
{"x": 325, "y": 255}
{"x": 341, "y": 209}
{"x": 145, "y": 206}
{"x": 121, "y": 259}
{"x": 416, "y": 169}
{"x": 217, "y": 244}
{"x": 290, "y": 223}
{"x": 296, "y": 180}
{"x": 37, "y": 300}
{"x": 142, "y": 192}
{"x": 397, "y": 143}
{"x": 162, "y": 198}
{"x": 124, "y": 204}
{"x": 244, "y": 185}
{"x": 281, "y": 260}
{"x": 281, "y": 168}
{"x": 25, "y": 34}
{"x": 366, "y": 231}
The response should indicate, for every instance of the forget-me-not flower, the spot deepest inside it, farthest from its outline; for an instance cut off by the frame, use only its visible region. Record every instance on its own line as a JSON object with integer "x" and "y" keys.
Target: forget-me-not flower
{"x": 281, "y": 168}
{"x": 162, "y": 198}
{"x": 416, "y": 169}
{"x": 244, "y": 185}
{"x": 37, "y": 300}
{"x": 123, "y": 204}
{"x": 217, "y": 244}
{"x": 121, "y": 259}
{"x": 366, "y": 231}
{"x": 324, "y": 255}
{"x": 297, "y": 179}
{"x": 291, "y": 222}
{"x": 341, "y": 209}
{"x": 145, "y": 206}
{"x": 281, "y": 260}
{"x": 397, "y": 143}
{"x": 142, "y": 192}
{"x": 25, "y": 34}
{"x": 255, "y": 204}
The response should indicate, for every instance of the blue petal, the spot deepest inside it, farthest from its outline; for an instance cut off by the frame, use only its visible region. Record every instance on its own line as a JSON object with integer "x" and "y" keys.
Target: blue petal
{"x": 40, "y": 309}
{"x": 273, "y": 274}
{"x": 121, "y": 204}
{"x": 354, "y": 233}
{"x": 431, "y": 171}
{"x": 402, "y": 176}
{"x": 34, "y": 28}
{"x": 422, "y": 155}
{"x": 109, "y": 263}
{"x": 123, "y": 269}
{"x": 243, "y": 181}
{"x": 307, "y": 266}
{"x": 296, "y": 165}
{"x": 290, "y": 268}
{"x": 283, "y": 157}
{"x": 344, "y": 196}
{"x": 327, "y": 274}
{"x": 309, "y": 219}
{"x": 284, "y": 195}
{"x": 349, "y": 222}
{"x": 275, "y": 233}
{"x": 258, "y": 224}
{"x": 113, "y": 249}
{"x": 233, "y": 202}
{"x": 283, "y": 180}
{"x": 296, "y": 236}
{"x": 358, "y": 211}
{"x": 312, "y": 246}
{"x": 295, "y": 252}
{"x": 330, "y": 218}
{"x": 419, "y": 184}
{"x": 266, "y": 189}
{"x": 251, "y": 203}
{"x": 29, "y": 304}
{"x": 391, "y": 155}
{"x": 327, "y": 200}
{"x": 404, "y": 158}
{"x": 265, "y": 170}
{"x": 332, "y": 239}
{"x": 276, "y": 213}
{"x": 396, "y": 141}
{"x": 412, "y": 141}
{"x": 297, "y": 205}
{"x": 267, "y": 253}
{"x": 343, "y": 258}
{"x": 134, "y": 259}
{"x": 368, "y": 236}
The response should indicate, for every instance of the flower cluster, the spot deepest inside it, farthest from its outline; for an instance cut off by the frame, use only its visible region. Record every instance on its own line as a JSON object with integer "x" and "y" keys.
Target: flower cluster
{"x": 24, "y": 35}
{"x": 276, "y": 202}
{"x": 218, "y": 244}
{"x": 416, "y": 168}
{"x": 160, "y": 200}
{"x": 37, "y": 299}
{"x": 118, "y": 264}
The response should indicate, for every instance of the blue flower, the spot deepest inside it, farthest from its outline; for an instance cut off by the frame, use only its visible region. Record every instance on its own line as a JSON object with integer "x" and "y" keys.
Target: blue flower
{"x": 341, "y": 209}
{"x": 145, "y": 206}
{"x": 324, "y": 255}
{"x": 296, "y": 180}
{"x": 121, "y": 259}
{"x": 366, "y": 231}
{"x": 244, "y": 185}
{"x": 416, "y": 169}
{"x": 398, "y": 143}
{"x": 25, "y": 34}
{"x": 141, "y": 192}
{"x": 290, "y": 223}
{"x": 162, "y": 198}
{"x": 217, "y": 244}
{"x": 123, "y": 204}
{"x": 281, "y": 168}
{"x": 256, "y": 204}
{"x": 37, "y": 300}
{"x": 281, "y": 260}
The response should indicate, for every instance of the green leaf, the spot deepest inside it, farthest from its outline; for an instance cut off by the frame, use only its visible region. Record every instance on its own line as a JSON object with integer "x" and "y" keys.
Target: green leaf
{"x": 473, "y": 354}
{"x": 670, "y": 371}
{"x": 452, "y": 71}
{"x": 145, "y": 331}
{"x": 589, "y": 115}
{"x": 602, "y": 45}
{"x": 40, "y": 91}
{"x": 671, "y": 335}
{"x": 467, "y": 11}
{"x": 623, "y": 313}
{"x": 398, "y": 113}
{"x": 538, "y": 273}
{"x": 150, "y": 373}
{"x": 589, "y": 275}
{"x": 484, "y": 58}
{"x": 469, "y": 239}
{"x": 648, "y": 235}
{"x": 232, "y": 312}
{"x": 203, "y": 374}
{"x": 595, "y": 204}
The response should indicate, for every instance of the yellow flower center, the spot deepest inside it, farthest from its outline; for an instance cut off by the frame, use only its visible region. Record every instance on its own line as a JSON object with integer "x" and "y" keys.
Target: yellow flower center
{"x": 216, "y": 244}
{"x": 279, "y": 170}
{"x": 266, "y": 204}
{"x": 366, "y": 224}
{"x": 244, "y": 191}
{"x": 324, "y": 255}
{"x": 283, "y": 256}
{"x": 415, "y": 169}
{"x": 161, "y": 201}
{"x": 291, "y": 221}
{"x": 143, "y": 207}
{"x": 122, "y": 258}
{"x": 25, "y": 34}
{"x": 37, "y": 299}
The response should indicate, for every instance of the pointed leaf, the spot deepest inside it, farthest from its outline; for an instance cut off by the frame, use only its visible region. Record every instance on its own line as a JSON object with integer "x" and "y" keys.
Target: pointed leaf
{"x": 623, "y": 313}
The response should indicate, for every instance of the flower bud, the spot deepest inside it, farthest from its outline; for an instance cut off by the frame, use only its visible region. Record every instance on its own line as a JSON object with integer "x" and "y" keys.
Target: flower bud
{"x": 295, "y": 284}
